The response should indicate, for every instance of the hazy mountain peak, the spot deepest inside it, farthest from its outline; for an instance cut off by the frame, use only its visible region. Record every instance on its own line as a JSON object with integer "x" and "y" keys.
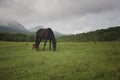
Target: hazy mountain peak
{"x": 34, "y": 29}
{"x": 11, "y": 25}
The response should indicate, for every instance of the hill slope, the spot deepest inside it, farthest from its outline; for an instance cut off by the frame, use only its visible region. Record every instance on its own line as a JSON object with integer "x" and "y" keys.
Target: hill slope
{"x": 110, "y": 34}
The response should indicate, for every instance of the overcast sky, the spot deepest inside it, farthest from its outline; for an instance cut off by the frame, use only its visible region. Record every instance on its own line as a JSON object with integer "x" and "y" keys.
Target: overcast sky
{"x": 66, "y": 16}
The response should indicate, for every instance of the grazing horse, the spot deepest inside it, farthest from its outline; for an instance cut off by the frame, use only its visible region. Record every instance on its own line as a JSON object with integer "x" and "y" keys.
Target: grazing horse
{"x": 46, "y": 34}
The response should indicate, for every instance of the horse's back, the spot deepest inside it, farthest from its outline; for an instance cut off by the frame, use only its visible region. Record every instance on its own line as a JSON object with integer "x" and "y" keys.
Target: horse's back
{"x": 45, "y": 33}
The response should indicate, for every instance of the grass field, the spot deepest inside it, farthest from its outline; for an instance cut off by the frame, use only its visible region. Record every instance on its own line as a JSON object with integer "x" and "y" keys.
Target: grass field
{"x": 71, "y": 61}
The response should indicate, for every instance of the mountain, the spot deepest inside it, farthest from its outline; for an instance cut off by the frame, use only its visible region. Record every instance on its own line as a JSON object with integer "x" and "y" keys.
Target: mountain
{"x": 7, "y": 25}
{"x": 33, "y": 30}
{"x": 57, "y": 34}
{"x": 11, "y": 26}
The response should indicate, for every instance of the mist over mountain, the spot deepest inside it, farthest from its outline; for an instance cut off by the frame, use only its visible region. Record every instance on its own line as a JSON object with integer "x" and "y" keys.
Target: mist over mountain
{"x": 11, "y": 26}
{"x": 7, "y": 25}
{"x": 34, "y": 29}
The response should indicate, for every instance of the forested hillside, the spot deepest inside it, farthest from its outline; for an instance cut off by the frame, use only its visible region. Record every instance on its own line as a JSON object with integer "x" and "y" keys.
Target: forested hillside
{"x": 110, "y": 34}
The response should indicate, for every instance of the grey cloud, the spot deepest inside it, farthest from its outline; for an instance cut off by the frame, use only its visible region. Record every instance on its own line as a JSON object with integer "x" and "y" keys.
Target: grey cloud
{"x": 55, "y": 9}
{"x": 5, "y": 3}
{"x": 77, "y": 15}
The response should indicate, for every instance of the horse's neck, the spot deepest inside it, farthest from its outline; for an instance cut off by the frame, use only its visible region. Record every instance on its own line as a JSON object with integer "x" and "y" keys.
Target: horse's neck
{"x": 53, "y": 39}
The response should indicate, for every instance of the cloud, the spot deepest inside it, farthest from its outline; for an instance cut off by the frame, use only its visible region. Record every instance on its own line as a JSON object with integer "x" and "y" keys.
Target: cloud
{"x": 68, "y": 16}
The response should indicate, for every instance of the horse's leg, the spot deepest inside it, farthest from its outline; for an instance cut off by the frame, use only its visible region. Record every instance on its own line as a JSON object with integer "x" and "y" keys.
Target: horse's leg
{"x": 39, "y": 43}
{"x": 44, "y": 45}
{"x": 50, "y": 44}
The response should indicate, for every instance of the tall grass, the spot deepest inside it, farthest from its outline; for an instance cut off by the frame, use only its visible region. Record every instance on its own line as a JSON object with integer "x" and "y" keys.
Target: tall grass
{"x": 71, "y": 61}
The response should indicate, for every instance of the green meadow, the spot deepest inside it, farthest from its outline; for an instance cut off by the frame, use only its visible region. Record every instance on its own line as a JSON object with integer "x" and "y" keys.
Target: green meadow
{"x": 71, "y": 61}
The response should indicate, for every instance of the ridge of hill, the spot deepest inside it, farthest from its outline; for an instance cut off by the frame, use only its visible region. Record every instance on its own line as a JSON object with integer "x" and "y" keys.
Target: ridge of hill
{"x": 109, "y": 34}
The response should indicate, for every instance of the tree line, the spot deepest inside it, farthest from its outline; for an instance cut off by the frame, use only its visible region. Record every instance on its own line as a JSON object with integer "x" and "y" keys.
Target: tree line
{"x": 110, "y": 34}
{"x": 17, "y": 37}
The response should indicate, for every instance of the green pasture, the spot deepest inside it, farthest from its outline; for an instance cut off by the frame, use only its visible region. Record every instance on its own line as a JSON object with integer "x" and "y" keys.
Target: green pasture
{"x": 71, "y": 61}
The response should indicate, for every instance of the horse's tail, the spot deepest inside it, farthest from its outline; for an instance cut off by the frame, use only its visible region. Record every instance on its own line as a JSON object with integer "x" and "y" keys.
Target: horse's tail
{"x": 53, "y": 39}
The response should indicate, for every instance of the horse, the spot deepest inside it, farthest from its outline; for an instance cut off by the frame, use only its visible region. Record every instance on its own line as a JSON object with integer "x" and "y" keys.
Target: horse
{"x": 45, "y": 34}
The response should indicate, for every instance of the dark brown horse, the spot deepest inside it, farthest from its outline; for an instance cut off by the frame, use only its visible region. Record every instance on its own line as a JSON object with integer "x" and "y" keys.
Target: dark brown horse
{"x": 45, "y": 34}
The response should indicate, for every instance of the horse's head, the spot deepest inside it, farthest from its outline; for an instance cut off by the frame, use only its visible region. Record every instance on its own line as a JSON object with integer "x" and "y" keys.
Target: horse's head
{"x": 35, "y": 47}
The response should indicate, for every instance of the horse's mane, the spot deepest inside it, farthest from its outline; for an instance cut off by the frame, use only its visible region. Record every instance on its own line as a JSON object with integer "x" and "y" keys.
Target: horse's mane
{"x": 50, "y": 31}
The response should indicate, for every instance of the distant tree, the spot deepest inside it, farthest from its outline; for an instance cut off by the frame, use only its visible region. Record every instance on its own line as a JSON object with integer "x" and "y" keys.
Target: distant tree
{"x": 4, "y": 36}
